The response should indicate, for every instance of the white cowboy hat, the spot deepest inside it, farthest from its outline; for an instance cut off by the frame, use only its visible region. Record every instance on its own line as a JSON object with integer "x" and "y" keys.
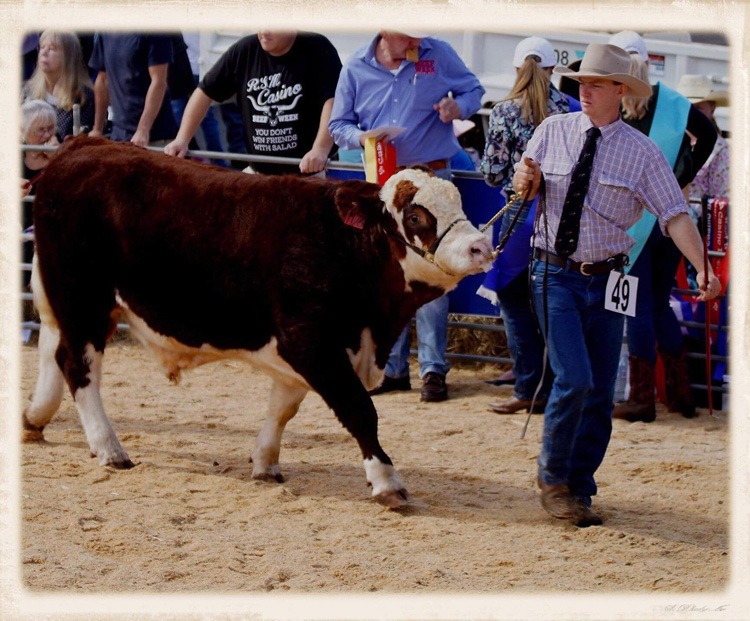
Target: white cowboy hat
{"x": 535, "y": 46}
{"x": 698, "y": 88}
{"x": 607, "y": 62}
{"x": 630, "y": 41}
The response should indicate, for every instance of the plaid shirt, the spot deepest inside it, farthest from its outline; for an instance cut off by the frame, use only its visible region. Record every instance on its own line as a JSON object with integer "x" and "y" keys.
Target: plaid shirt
{"x": 629, "y": 173}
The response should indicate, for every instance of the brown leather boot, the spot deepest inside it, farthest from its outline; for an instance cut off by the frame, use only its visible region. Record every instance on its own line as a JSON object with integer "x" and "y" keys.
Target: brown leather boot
{"x": 640, "y": 406}
{"x": 556, "y": 499}
{"x": 679, "y": 393}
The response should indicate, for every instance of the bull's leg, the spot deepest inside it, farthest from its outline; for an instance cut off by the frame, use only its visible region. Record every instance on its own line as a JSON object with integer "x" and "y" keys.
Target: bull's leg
{"x": 282, "y": 406}
{"x": 331, "y": 374}
{"x": 83, "y": 371}
{"x": 50, "y": 385}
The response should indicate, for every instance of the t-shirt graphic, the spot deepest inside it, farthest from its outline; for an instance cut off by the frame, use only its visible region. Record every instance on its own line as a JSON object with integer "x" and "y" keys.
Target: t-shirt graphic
{"x": 280, "y": 97}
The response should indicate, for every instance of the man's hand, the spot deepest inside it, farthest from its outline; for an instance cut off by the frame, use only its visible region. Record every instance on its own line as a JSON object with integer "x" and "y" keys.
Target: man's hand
{"x": 314, "y": 160}
{"x": 712, "y": 290}
{"x": 448, "y": 109}
{"x": 96, "y": 133}
{"x": 528, "y": 172}
{"x": 140, "y": 137}
{"x": 176, "y": 147}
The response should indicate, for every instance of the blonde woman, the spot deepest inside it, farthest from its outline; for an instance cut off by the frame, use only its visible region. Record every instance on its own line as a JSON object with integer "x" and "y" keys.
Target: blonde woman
{"x": 512, "y": 123}
{"x": 61, "y": 79}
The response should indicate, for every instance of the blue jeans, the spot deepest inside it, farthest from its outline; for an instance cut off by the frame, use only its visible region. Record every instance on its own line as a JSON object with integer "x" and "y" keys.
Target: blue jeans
{"x": 654, "y": 319}
{"x": 584, "y": 343}
{"x": 432, "y": 336}
{"x": 524, "y": 340}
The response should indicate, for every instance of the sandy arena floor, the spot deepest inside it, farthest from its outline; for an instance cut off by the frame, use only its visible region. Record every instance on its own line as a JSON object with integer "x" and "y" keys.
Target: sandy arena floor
{"x": 189, "y": 517}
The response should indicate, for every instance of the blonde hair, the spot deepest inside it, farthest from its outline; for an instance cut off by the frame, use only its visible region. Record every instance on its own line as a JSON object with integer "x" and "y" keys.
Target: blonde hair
{"x": 532, "y": 88}
{"x": 74, "y": 77}
{"x": 36, "y": 110}
{"x": 636, "y": 107}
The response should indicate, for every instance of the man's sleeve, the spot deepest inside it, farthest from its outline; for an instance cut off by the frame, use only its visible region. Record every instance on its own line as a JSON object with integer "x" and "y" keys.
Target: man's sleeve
{"x": 97, "y": 55}
{"x": 658, "y": 191}
{"x": 220, "y": 82}
{"x": 343, "y": 123}
{"x": 330, "y": 69}
{"x": 159, "y": 50}
{"x": 467, "y": 91}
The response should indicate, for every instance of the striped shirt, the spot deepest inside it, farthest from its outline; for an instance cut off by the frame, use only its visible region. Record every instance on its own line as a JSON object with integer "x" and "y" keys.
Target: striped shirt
{"x": 629, "y": 173}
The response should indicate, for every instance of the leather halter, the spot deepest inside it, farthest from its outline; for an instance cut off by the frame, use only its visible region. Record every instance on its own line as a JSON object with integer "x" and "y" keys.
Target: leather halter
{"x": 429, "y": 254}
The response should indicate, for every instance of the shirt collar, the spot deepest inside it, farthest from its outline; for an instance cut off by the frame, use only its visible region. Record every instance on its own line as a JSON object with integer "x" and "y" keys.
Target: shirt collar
{"x": 607, "y": 131}
{"x": 369, "y": 53}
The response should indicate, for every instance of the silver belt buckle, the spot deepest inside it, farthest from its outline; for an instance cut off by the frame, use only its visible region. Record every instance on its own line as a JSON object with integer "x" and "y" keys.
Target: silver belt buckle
{"x": 582, "y": 269}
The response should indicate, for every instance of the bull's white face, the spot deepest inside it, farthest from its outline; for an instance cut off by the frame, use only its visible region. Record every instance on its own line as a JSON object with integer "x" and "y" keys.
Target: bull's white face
{"x": 424, "y": 207}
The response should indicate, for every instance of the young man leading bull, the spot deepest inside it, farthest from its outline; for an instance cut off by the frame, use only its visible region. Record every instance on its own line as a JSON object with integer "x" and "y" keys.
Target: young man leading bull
{"x": 599, "y": 174}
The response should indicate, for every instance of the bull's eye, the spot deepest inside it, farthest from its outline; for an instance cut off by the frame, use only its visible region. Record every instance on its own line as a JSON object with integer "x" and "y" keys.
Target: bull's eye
{"x": 414, "y": 218}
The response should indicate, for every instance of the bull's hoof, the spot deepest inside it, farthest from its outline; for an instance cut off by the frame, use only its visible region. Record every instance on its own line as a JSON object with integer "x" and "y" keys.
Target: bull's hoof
{"x": 393, "y": 499}
{"x": 120, "y": 464}
{"x": 268, "y": 477}
{"x": 31, "y": 433}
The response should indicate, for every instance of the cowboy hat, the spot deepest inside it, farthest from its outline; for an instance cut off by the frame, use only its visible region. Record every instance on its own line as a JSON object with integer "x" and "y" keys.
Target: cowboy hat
{"x": 698, "y": 88}
{"x": 607, "y": 62}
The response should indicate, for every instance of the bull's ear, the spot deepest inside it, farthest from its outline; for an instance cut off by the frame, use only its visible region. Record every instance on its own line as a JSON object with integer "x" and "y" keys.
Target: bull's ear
{"x": 358, "y": 203}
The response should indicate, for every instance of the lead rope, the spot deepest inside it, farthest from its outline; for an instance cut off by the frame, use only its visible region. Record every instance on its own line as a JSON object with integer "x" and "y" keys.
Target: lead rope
{"x": 511, "y": 201}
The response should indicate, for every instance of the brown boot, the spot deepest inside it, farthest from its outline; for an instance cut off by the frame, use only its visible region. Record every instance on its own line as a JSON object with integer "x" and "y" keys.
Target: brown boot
{"x": 679, "y": 393}
{"x": 556, "y": 500}
{"x": 640, "y": 406}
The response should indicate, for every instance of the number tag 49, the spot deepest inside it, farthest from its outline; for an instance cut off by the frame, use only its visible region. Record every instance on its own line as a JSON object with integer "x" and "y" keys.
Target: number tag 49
{"x": 621, "y": 293}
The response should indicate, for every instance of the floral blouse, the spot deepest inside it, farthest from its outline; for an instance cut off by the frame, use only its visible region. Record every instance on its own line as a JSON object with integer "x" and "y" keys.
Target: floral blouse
{"x": 713, "y": 178}
{"x": 508, "y": 136}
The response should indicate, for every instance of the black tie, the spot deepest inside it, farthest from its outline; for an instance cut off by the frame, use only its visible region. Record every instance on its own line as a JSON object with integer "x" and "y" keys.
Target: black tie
{"x": 570, "y": 219}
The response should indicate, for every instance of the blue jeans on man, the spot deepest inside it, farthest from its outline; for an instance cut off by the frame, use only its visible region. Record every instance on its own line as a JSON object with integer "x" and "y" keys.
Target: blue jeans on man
{"x": 584, "y": 342}
{"x": 432, "y": 338}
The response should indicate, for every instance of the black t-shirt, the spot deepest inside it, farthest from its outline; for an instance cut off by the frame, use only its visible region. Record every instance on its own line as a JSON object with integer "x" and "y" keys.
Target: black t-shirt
{"x": 280, "y": 97}
{"x": 126, "y": 58}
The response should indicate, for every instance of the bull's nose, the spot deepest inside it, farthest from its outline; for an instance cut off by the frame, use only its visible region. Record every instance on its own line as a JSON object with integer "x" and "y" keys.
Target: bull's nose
{"x": 481, "y": 253}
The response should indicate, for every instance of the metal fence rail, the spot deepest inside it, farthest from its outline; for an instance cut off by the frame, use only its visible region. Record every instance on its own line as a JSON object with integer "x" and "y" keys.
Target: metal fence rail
{"x": 353, "y": 166}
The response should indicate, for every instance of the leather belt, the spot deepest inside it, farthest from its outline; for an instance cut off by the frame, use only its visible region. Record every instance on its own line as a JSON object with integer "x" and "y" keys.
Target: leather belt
{"x": 586, "y": 268}
{"x": 434, "y": 164}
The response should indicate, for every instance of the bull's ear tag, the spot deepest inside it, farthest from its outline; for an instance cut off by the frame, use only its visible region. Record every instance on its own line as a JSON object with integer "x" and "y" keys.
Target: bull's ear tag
{"x": 355, "y": 219}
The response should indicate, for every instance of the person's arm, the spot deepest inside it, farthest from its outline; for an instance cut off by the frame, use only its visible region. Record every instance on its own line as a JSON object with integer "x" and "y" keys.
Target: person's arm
{"x": 344, "y": 120}
{"x": 195, "y": 110}
{"x": 466, "y": 88}
{"x": 315, "y": 159}
{"x": 154, "y": 98}
{"x": 528, "y": 170}
{"x": 686, "y": 237}
{"x": 101, "y": 103}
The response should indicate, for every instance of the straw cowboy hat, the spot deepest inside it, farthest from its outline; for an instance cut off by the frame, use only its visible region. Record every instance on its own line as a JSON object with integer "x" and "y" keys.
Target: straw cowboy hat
{"x": 607, "y": 62}
{"x": 698, "y": 88}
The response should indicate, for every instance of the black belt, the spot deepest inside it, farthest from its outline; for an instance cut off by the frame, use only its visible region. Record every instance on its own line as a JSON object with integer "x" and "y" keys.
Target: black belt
{"x": 586, "y": 268}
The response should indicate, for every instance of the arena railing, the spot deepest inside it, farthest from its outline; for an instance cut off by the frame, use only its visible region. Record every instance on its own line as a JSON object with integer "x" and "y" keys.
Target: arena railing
{"x": 354, "y": 166}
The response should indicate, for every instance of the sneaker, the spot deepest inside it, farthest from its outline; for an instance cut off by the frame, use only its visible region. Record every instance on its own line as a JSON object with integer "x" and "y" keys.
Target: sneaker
{"x": 391, "y": 384}
{"x": 434, "y": 388}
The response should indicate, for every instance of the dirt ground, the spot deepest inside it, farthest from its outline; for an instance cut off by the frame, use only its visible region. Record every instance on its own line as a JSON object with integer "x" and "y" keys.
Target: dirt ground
{"x": 189, "y": 517}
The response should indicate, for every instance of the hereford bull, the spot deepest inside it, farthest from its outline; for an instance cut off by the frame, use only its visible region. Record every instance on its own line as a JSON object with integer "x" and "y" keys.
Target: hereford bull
{"x": 309, "y": 280}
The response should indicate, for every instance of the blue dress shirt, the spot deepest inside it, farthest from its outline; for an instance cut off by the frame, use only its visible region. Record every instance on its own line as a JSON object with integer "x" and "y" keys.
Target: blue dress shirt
{"x": 369, "y": 96}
